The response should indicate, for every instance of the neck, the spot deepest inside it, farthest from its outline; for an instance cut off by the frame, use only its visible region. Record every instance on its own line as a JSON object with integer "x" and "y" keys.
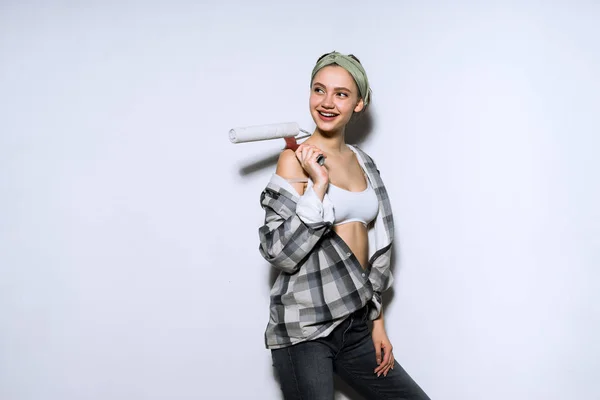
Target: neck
{"x": 331, "y": 142}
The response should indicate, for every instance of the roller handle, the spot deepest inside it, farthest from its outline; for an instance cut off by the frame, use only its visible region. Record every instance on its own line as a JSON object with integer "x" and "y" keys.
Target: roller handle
{"x": 291, "y": 143}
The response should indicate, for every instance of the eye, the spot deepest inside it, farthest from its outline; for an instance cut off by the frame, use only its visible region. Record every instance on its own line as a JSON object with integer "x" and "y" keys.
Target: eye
{"x": 318, "y": 90}
{"x": 342, "y": 94}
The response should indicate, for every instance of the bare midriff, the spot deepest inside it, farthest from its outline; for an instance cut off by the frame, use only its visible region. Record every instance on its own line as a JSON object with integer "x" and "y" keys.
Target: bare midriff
{"x": 355, "y": 236}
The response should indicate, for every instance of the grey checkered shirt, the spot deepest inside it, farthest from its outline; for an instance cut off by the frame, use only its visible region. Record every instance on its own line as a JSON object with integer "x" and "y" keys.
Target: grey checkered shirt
{"x": 320, "y": 282}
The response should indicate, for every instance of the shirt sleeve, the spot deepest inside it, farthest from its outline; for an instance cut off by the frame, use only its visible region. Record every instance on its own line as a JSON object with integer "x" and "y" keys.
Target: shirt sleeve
{"x": 381, "y": 279}
{"x": 312, "y": 210}
{"x": 286, "y": 239}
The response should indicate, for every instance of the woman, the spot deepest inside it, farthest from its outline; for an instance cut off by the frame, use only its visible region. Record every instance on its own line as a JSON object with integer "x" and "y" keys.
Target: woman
{"x": 329, "y": 230}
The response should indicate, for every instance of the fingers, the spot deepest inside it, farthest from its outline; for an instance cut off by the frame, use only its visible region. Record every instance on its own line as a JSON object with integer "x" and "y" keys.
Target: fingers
{"x": 307, "y": 153}
{"x": 378, "y": 357}
{"x": 381, "y": 363}
{"x": 385, "y": 364}
{"x": 390, "y": 365}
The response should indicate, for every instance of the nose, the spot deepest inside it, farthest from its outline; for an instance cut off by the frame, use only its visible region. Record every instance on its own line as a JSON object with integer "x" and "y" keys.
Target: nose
{"x": 328, "y": 101}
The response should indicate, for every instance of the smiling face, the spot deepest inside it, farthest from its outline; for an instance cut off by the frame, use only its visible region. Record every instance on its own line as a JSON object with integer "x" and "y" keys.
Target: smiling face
{"x": 334, "y": 98}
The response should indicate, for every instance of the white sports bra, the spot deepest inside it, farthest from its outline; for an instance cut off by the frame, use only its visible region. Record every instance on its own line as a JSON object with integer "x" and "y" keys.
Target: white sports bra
{"x": 351, "y": 206}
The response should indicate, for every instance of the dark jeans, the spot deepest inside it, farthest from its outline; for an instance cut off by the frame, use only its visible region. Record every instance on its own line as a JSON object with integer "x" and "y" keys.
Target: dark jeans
{"x": 306, "y": 369}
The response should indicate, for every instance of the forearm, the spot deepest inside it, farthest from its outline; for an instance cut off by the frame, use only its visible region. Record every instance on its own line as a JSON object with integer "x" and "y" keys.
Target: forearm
{"x": 378, "y": 323}
{"x": 320, "y": 189}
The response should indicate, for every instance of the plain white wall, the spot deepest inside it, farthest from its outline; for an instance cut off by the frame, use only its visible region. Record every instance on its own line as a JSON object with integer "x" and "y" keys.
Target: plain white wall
{"x": 129, "y": 266}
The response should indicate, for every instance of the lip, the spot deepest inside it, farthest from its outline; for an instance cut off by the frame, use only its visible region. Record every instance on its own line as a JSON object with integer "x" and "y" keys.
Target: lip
{"x": 326, "y": 119}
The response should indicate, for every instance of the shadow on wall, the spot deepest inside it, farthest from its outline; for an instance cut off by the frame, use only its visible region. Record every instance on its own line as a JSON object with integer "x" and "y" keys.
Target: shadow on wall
{"x": 356, "y": 133}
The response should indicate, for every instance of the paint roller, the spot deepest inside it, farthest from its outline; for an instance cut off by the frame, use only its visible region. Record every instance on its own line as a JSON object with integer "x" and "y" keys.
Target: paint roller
{"x": 289, "y": 131}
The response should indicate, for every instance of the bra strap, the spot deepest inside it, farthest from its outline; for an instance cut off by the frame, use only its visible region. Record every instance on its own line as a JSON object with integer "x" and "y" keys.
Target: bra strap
{"x": 297, "y": 180}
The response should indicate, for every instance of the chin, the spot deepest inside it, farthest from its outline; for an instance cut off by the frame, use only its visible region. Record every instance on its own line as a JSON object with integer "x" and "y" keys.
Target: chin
{"x": 329, "y": 127}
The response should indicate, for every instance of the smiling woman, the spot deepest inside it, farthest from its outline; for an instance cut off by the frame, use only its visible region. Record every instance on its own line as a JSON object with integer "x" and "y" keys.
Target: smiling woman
{"x": 329, "y": 230}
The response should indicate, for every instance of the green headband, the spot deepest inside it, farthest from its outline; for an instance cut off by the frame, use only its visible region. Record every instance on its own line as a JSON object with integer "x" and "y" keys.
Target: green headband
{"x": 352, "y": 66}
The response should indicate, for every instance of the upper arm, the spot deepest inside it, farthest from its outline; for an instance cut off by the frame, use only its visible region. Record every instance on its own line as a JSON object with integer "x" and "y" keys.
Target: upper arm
{"x": 288, "y": 167}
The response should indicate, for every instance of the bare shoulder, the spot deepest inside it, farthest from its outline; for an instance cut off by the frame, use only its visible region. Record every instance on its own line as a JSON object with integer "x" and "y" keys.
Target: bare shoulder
{"x": 288, "y": 166}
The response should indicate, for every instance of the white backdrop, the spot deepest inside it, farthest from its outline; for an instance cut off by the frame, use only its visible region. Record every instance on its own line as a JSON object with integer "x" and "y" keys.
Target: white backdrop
{"x": 129, "y": 264}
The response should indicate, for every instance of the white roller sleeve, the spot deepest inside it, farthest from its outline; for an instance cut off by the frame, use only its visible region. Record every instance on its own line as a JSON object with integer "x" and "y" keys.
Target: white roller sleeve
{"x": 263, "y": 132}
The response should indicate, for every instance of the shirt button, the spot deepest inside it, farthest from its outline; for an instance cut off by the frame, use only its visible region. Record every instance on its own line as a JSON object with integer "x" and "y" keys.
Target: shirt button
{"x": 348, "y": 254}
{"x": 363, "y": 275}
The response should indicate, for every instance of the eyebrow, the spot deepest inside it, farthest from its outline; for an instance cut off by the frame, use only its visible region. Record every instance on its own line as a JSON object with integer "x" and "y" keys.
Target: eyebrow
{"x": 337, "y": 88}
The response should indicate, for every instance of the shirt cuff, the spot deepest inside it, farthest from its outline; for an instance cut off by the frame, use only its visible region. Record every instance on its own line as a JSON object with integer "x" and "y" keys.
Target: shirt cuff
{"x": 375, "y": 306}
{"x": 312, "y": 210}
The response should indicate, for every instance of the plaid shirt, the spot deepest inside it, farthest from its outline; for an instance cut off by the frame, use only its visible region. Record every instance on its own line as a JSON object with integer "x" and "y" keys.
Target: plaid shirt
{"x": 320, "y": 282}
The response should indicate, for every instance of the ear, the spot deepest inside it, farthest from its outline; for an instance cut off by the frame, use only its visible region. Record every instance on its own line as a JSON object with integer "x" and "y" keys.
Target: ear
{"x": 359, "y": 106}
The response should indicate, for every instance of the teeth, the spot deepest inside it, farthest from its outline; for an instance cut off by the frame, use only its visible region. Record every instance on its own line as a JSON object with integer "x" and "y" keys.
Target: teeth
{"x": 327, "y": 114}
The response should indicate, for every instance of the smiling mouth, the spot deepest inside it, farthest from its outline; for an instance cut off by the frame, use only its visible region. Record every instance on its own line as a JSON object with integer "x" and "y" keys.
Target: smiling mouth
{"x": 328, "y": 115}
